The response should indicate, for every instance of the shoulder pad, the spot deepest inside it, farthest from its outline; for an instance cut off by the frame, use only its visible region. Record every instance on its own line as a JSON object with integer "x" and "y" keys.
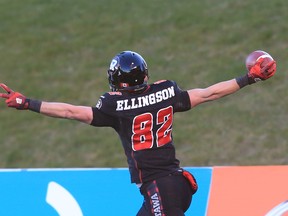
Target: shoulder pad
{"x": 160, "y": 81}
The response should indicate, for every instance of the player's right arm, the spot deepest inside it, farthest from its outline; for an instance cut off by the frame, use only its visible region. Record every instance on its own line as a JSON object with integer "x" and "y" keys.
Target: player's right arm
{"x": 257, "y": 72}
{"x": 201, "y": 95}
{"x": 52, "y": 109}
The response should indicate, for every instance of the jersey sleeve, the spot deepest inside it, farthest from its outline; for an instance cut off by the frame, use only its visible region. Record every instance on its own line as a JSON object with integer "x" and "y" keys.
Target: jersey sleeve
{"x": 102, "y": 115}
{"x": 100, "y": 119}
{"x": 182, "y": 100}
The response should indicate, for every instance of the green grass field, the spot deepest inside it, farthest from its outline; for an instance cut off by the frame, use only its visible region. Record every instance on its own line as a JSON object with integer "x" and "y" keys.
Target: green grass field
{"x": 59, "y": 50}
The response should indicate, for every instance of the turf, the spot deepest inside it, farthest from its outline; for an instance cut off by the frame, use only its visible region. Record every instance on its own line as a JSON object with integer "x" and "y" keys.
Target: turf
{"x": 59, "y": 50}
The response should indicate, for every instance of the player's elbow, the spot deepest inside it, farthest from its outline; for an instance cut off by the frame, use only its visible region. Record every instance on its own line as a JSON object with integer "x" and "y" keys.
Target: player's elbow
{"x": 79, "y": 113}
{"x": 203, "y": 98}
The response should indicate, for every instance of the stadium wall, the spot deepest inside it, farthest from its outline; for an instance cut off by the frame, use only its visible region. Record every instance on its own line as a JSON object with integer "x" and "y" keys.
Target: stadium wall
{"x": 249, "y": 191}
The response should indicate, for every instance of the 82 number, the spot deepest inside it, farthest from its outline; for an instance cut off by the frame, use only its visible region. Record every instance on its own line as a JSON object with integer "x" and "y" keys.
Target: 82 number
{"x": 142, "y": 129}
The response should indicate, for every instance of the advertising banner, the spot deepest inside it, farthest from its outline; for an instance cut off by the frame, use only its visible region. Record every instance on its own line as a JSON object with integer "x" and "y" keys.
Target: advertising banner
{"x": 81, "y": 192}
{"x": 249, "y": 191}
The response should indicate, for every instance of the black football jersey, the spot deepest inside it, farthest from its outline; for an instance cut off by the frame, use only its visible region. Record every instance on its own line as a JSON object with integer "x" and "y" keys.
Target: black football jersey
{"x": 144, "y": 125}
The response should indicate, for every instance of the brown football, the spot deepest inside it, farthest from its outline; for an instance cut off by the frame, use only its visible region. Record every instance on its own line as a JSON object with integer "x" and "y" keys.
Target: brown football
{"x": 254, "y": 56}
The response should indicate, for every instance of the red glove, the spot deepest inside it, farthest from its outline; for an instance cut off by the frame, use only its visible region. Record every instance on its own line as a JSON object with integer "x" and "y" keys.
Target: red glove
{"x": 262, "y": 70}
{"x": 14, "y": 99}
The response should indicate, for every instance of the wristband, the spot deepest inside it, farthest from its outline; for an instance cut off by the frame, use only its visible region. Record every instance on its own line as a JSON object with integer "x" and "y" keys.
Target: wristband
{"x": 34, "y": 105}
{"x": 244, "y": 80}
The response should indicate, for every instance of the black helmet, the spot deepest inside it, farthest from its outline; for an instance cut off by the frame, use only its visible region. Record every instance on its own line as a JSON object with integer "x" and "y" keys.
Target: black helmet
{"x": 127, "y": 72}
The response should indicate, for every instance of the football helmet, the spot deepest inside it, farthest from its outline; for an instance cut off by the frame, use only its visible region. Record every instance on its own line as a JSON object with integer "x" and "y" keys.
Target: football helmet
{"x": 127, "y": 72}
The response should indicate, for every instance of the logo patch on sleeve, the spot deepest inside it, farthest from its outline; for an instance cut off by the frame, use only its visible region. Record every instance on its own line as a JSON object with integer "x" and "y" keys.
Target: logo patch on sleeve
{"x": 99, "y": 104}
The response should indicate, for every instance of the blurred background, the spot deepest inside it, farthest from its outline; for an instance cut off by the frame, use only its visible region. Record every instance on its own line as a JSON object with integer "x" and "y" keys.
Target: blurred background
{"x": 60, "y": 50}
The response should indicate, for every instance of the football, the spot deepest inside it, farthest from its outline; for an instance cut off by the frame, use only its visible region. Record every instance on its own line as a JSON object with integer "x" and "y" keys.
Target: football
{"x": 254, "y": 56}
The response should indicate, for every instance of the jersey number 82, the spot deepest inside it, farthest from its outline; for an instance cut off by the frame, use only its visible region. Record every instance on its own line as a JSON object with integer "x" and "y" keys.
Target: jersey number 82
{"x": 142, "y": 129}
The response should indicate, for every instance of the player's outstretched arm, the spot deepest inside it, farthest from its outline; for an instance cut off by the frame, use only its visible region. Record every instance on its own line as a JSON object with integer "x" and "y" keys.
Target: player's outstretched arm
{"x": 213, "y": 92}
{"x": 258, "y": 72}
{"x": 67, "y": 111}
{"x": 57, "y": 110}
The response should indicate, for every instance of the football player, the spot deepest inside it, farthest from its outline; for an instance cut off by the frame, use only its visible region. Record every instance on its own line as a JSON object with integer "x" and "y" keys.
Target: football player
{"x": 142, "y": 114}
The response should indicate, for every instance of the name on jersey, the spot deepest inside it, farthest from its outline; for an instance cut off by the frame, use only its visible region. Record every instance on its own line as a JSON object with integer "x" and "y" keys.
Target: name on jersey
{"x": 143, "y": 101}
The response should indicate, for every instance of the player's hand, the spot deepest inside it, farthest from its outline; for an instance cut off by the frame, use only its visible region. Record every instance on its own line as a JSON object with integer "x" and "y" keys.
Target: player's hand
{"x": 14, "y": 99}
{"x": 262, "y": 70}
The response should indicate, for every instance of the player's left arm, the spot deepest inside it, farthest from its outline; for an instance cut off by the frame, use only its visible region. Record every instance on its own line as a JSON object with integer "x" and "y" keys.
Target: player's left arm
{"x": 67, "y": 111}
{"x": 52, "y": 109}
